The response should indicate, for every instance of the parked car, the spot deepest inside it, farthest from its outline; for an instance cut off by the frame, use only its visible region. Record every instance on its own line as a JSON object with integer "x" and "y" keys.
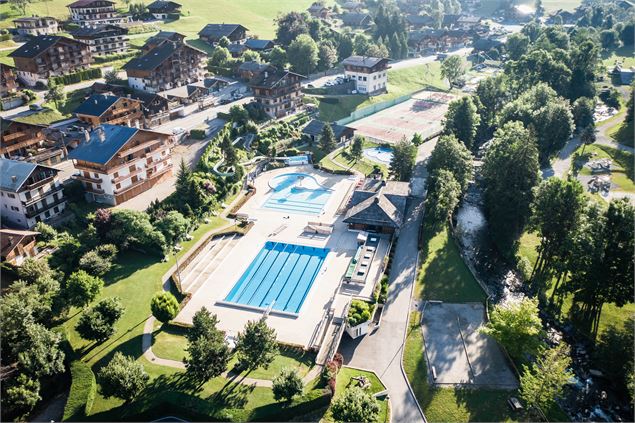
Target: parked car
{"x": 35, "y": 107}
{"x": 178, "y": 130}
{"x": 225, "y": 101}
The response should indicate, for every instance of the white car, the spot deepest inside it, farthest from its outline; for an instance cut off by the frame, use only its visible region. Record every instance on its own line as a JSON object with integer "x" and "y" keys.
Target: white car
{"x": 178, "y": 130}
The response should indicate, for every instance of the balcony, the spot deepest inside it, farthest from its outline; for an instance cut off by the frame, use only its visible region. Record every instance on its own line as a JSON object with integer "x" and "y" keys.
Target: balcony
{"x": 37, "y": 184}
{"x": 137, "y": 148}
{"x": 34, "y": 199}
{"x": 129, "y": 187}
{"x": 152, "y": 174}
{"x": 121, "y": 178}
{"x": 39, "y": 210}
{"x": 94, "y": 190}
{"x": 84, "y": 178}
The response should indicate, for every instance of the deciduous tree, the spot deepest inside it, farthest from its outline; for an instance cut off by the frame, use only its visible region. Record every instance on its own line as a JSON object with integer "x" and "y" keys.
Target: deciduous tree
{"x": 510, "y": 172}
{"x": 453, "y": 69}
{"x": 453, "y": 156}
{"x": 98, "y": 322}
{"x": 462, "y": 120}
{"x": 287, "y": 384}
{"x": 542, "y": 382}
{"x": 82, "y": 288}
{"x": 256, "y": 345}
{"x": 402, "y": 163}
{"x": 303, "y": 54}
{"x": 442, "y": 197}
{"x": 40, "y": 354}
{"x": 122, "y": 377}
{"x": 355, "y": 405}
{"x": 517, "y": 327}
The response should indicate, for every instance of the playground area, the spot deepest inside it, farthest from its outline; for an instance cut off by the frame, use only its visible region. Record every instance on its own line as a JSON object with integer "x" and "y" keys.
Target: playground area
{"x": 423, "y": 114}
{"x": 458, "y": 353}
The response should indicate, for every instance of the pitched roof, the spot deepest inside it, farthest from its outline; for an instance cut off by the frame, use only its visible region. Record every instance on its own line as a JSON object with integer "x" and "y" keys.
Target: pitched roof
{"x": 11, "y": 238}
{"x": 419, "y": 20}
{"x": 252, "y": 66}
{"x": 156, "y": 56}
{"x": 14, "y": 173}
{"x": 33, "y": 18}
{"x": 378, "y": 202}
{"x": 96, "y": 104}
{"x": 363, "y": 61}
{"x": 256, "y": 44}
{"x": 356, "y": 19}
{"x": 315, "y": 128}
{"x": 352, "y": 5}
{"x": 97, "y": 151}
{"x": 163, "y": 6}
{"x": 37, "y": 45}
{"x": 84, "y": 3}
{"x": 219, "y": 30}
{"x": 99, "y": 31}
{"x": 271, "y": 77}
{"x": 236, "y": 48}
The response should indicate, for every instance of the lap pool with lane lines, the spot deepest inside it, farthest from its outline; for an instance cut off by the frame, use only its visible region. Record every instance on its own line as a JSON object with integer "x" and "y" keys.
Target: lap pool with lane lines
{"x": 281, "y": 274}
{"x": 297, "y": 193}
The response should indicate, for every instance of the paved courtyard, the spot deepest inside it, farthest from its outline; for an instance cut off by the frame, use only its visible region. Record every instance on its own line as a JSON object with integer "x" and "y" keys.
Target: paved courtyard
{"x": 459, "y": 353}
{"x": 422, "y": 114}
{"x": 235, "y": 255}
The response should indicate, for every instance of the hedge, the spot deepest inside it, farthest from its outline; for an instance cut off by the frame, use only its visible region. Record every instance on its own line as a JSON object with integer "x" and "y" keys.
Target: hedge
{"x": 197, "y": 134}
{"x": 73, "y": 78}
{"x": 82, "y": 393}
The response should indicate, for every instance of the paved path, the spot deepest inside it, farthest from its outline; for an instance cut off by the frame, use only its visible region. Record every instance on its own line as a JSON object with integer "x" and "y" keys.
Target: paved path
{"x": 382, "y": 350}
{"x": 561, "y": 164}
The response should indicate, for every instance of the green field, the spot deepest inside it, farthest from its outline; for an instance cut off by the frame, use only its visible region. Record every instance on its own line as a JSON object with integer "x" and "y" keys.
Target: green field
{"x": 344, "y": 381}
{"x": 170, "y": 342}
{"x": 623, "y": 134}
{"x": 445, "y": 277}
{"x": 623, "y": 55}
{"x": 611, "y": 315}
{"x": 622, "y": 172}
{"x": 488, "y": 7}
{"x": 257, "y": 16}
{"x": 400, "y": 82}
{"x": 443, "y": 274}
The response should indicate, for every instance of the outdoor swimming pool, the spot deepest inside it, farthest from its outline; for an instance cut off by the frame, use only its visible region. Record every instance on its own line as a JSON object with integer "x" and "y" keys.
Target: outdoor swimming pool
{"x": 381, "y": 155}
{"x": 281, "y": 274}
{"x": 297, "y": 193}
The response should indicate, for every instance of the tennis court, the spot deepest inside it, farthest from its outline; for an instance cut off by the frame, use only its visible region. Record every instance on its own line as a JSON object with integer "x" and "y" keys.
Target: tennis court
{"x": 422, "y": 114}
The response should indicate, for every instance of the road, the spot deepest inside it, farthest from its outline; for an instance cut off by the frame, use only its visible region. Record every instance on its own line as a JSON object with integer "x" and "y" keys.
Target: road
{"x": 382, "y": 350}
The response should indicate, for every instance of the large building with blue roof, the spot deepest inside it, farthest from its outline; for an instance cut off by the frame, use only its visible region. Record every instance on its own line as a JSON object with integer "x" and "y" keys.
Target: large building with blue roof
{"x": 29, "y": 193}
{"x": 107, "y": 108}
{"x": 116, "y": 163}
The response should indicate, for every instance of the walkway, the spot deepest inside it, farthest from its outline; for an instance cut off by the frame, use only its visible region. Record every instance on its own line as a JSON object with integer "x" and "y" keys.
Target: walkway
{"x": 382, "y": 351}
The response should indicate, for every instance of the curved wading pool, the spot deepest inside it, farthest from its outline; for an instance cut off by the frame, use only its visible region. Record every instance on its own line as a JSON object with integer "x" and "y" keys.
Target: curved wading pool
{"x": 298, "y": 193}
{"x": 381, "y": 155}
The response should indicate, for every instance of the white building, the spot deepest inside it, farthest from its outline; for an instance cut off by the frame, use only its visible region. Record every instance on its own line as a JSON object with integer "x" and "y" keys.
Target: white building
{"x": 36, "y": 25}
{"x": 117, "y": 163}
{"x": 369, "y": 73}
{"x": 91, "y": 13}
{"x": 29, "y": 193}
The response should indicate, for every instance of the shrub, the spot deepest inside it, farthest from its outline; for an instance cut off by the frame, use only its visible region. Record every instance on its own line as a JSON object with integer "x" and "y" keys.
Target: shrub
{"x": 355, "y": 405}
{"x": 164, "y": 306}
{"x": 287, "y": 385}
{"x": 98, "y": 322}
{"x": 122, "y": 377}
{"x": 94, "y": 264}
{"x": 75, "y": 77}
{"x": 359, "y": 312}
{"x": 82, "y": 288}
{"x": 197, "y": 134}
{"x": 47, "y": 232}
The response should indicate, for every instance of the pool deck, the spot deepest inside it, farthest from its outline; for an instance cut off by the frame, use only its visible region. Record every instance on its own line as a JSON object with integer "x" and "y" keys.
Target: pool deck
{"x": 288, "y": 228}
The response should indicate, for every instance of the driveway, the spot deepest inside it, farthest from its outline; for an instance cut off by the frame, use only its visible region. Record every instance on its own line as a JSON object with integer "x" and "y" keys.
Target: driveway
{"x": 382, "y": 350}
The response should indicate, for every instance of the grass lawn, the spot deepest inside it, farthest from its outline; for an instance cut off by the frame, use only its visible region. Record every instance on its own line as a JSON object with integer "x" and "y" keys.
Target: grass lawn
{"x": 72, "y": 102}
{"x": 623, "y": 134}
{"x": 4, "y": 56}
{"x": 488, "y": 7}
{"x": 170, "y": 342}
{"x": 623, "y": 55}
{"x": 622, "y": 171}
{"x": 611, "y": 315}
{"x": 400, "y": 82}
{"x": 456, "y": 404}
{"x": 443, "y": 275}
{"x": 45, "y": 117}
{"x": 344, "y": 381}
{"x": 342, "y": 157}
{"x": 257, "y": 16}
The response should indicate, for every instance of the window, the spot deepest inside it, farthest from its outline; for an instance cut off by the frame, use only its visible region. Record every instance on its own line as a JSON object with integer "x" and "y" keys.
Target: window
{"x": 116, "y": 174}
{"x": 14, "y": 208}
{"x": 47, "y": 214}
{"x": 56, "y": 209}
{"x": 11, "y": 195}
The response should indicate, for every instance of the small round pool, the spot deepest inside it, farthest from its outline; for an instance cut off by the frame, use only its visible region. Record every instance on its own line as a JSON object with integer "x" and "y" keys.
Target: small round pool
{"x": 381, "y": 155}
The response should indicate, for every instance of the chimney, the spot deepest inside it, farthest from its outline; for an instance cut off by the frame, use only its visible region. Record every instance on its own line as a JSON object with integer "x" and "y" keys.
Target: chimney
{"x": 86, "y": 135}
{"x": 266, "y": 74}
{"x": 14, "y": 178}
{"x": 101, "y": 134}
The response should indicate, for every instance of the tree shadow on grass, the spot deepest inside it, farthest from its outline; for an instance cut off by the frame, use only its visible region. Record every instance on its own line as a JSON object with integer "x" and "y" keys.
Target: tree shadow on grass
{"x": 487, "y": 405}
{"x": 127, "y": 264}
{"x": 131, "y": 347}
